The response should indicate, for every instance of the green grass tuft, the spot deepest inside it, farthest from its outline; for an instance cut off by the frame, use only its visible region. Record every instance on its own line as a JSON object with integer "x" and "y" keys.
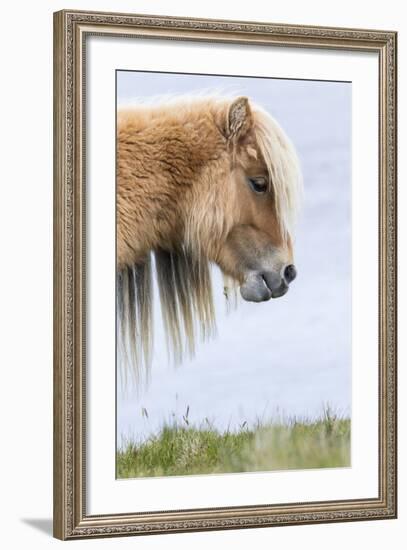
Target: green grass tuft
{"x": 276, "y": 445}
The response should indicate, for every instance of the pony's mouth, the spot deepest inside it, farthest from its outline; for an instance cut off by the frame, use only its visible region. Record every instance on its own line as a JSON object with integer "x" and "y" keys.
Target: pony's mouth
{"x": 260, "y": 287}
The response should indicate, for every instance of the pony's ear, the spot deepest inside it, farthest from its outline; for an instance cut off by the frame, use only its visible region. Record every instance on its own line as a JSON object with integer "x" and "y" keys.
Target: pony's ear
{"x": 239, "y": 118}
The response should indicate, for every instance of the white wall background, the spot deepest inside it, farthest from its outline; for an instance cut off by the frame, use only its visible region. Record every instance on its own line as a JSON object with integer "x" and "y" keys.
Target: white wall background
{"x": 26, "y": 290}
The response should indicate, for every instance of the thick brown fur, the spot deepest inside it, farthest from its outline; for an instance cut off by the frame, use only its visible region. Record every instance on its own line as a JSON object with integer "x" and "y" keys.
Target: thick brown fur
{"x": 182, "y": 195}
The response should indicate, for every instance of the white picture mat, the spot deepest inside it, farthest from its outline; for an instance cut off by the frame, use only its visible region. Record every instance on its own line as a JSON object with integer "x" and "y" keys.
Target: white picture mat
{"x": 105, "y": 494}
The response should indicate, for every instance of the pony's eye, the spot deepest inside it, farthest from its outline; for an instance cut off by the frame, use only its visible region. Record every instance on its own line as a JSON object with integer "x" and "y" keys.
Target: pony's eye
{"x": 259, "y": 185}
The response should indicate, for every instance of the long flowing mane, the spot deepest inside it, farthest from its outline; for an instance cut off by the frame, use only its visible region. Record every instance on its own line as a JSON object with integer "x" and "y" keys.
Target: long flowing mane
{"x": 183, "y": 275}
{"x": 185, "y": 293}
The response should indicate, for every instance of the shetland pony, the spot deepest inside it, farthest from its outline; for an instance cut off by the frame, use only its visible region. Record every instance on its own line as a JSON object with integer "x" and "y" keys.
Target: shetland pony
{"x": 199, "y": 181}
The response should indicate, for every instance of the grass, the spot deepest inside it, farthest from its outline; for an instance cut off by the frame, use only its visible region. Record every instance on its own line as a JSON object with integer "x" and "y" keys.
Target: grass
{"x": 275, "y": 445}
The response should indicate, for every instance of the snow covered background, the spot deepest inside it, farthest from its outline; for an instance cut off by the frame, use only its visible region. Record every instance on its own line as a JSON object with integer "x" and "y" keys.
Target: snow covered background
{"x": 288, "y": 356}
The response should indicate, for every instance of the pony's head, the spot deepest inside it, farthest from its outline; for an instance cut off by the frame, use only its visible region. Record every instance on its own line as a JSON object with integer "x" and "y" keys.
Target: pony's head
{"x": 243, "y": 207}
{"x": 200, "y": 181}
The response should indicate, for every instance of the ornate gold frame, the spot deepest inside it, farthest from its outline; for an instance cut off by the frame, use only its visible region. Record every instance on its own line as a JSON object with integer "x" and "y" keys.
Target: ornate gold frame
{"x": 70, "y": 518}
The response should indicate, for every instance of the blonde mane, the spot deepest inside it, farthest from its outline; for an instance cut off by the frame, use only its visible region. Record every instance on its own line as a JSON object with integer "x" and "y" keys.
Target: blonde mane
{"x": 183, "y": 275}
{"x": 283, "y": 167}
{"x": 185, "y": 292}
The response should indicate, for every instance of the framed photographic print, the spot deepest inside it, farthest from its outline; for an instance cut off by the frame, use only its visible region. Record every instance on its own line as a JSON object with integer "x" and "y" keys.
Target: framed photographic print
{"x": 225, "y": 274}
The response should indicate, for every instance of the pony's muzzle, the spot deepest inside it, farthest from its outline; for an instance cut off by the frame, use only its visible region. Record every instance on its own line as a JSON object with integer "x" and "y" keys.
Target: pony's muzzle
{"x": 255, "y": 289}
{"x": 290, "y": 273}
{"x": 281, "y": 290}
{"x": 277, "y": 285}
{"x": 260, "y": 287}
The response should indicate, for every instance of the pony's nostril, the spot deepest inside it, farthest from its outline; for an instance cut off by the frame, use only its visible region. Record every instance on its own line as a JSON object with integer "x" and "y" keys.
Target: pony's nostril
{"x": 290, "y": 273}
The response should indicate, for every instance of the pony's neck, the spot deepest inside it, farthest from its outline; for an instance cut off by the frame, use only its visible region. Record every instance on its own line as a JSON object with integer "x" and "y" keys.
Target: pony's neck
{"x": 159, "y": 164}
